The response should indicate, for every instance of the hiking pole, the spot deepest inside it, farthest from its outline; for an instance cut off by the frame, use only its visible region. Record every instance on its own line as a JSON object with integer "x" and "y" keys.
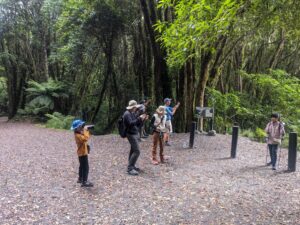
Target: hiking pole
{"x": 267, "y": 151}
{"x": 279, "y": 156}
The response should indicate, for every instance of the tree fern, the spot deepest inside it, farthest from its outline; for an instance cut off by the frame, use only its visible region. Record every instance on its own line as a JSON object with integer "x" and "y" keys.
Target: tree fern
{"x": 43, "y": 96}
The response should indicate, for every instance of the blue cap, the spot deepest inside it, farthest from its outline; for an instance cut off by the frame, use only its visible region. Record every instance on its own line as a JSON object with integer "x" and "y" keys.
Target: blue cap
{"x": 76, "y": 124}
{"x": 167, "y": 100}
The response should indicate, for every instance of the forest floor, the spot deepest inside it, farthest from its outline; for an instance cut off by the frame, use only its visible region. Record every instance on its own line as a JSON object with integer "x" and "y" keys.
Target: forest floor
{"x": 38, "y": 174}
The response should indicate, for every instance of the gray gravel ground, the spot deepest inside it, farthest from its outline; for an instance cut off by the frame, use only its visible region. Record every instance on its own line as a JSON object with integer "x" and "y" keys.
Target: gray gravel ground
{"x": 38, "y": 173}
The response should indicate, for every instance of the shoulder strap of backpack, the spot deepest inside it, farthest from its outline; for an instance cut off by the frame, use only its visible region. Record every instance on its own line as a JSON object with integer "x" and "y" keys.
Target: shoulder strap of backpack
{"x": 152, "y": 120}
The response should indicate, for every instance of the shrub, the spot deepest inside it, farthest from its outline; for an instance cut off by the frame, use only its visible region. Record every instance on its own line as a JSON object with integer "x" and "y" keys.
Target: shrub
{"x": 260, "y": 134}
{"x": 248, "y": 134}
{"x": 44, "y": 96}
{"x": 59, "y": 121}
{"x": 3, "y": 95}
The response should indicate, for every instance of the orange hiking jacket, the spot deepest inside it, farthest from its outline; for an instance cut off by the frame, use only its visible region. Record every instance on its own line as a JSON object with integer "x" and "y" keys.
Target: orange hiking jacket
{"x": 81, "y": 141}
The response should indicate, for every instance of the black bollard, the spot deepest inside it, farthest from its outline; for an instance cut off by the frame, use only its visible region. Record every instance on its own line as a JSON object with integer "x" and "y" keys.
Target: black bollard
{"x": 192, "y": 134}
{"x": 292, "y": 152}
{"x": 235, "y": 134}
{"x": 211, "y": 124}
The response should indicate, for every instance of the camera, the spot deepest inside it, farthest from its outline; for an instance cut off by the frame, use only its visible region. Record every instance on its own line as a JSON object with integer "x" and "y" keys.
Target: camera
{"x": 90, "y": 127}
{"x": 141, "y": 110}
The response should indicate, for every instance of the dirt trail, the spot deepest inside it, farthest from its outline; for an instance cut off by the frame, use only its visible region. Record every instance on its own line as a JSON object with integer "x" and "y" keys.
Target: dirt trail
{"x": 38, "y": 173}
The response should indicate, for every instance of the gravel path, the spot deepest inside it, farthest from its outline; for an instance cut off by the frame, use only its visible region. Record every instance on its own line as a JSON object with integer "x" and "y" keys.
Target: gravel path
{"x": 38, "y": 173}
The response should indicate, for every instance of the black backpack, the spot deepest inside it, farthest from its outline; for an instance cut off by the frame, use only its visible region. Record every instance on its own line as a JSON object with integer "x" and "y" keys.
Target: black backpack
{"x": 122, "y": 128}
{"x": 152, "y": 128}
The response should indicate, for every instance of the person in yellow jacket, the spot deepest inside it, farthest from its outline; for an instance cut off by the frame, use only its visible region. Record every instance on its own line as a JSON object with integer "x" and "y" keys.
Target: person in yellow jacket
{"x": 82, "y": 136}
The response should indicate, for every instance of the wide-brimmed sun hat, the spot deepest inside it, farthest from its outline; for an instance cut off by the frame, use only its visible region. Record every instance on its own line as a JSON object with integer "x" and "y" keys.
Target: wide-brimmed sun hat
{"x": 132, "y": 104}
{"x": 160, "y": 110}
{"x": 76, "y": 124}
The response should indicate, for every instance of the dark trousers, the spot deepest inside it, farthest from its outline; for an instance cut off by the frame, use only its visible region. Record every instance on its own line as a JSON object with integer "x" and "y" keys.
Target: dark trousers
{"x": 273, "y": 153}
{"x": 141, "y": 128}
{"x": 83, "y": 168}
{"x": 134, "y": 150}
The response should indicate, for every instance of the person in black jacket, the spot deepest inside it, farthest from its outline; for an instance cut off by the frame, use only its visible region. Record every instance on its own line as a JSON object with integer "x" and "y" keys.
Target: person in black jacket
{"x": 132, "y": 123}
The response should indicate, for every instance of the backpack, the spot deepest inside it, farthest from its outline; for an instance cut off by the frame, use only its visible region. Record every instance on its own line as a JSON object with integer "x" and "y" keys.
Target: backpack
{"x": 152, "y": 128}
{"x": 122, "y": 128}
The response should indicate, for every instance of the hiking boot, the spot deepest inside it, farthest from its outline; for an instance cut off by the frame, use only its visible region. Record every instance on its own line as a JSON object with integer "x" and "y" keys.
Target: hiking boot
{"x": 133, "y": 172}
{"x": 273, "y": 168}
{"x": 163, "y": 159}
{"x": 137, "y": 169}
{"x": 141, "y": 140}
{"x": 167, "y": 144}
{"x": 154, "y": 162}
{"x": 87, "y": 184}
{"x": 79, "y": 181}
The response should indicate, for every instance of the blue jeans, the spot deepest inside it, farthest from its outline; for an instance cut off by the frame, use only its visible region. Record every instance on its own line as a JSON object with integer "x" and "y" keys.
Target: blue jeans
{"x": 273, "y": 153}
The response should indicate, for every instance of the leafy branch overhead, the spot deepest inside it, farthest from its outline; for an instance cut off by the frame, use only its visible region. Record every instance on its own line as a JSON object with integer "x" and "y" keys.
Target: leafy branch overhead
{"x": 89, "y": 58}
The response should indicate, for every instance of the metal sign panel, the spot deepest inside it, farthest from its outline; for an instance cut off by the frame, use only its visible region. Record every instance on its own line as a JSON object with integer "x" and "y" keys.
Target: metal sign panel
{"x": 205, "y": 112}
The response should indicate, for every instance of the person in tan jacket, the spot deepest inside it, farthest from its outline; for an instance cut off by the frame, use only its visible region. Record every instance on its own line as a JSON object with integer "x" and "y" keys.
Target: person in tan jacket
{"x": 159, "y": 128}
{"x": 82, "y": 136}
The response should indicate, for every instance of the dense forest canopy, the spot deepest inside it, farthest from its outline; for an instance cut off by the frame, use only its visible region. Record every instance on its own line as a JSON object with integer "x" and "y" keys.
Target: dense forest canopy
{"x": 89, "y": 57}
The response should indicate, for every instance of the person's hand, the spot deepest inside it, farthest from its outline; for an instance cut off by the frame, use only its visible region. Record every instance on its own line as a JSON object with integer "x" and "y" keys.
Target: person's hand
{"x": 143, "y": 116}
{"x": 178, "y": 104}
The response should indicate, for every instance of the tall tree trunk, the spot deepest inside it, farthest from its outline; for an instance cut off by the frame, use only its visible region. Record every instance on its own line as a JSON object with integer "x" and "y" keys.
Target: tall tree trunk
{"x": 162, "y": 83}
{"x": 148, "y": 72}
{"x": 190, "y": 81}
{"x": 215, "y": 70}
{"x": 203, "y": 78}
{"x": 14, "y": 86}
{"x": 109, "y": 69}
{"x": 279, "y": 49}
{"x": 180, "y": 116}
{"x": 45, "y": 56}
{"x": 139, "y": 60}
{"x": 204, "y": 75}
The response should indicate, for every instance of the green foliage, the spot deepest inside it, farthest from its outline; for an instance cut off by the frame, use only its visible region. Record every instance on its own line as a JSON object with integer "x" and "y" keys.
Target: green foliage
{"x": 198, "y": 24}
{"x": 273, "y": 92}
{"x": 3, "y": 95}
{"x": 59, "y": 121}
{"x": 227, "y": 107}
{"x": 262, "y": 95}
{"x": 104, "y": 49}
{"x": 44, "y": 95}
{"x": 260, "y": 134}
{"x": 248, "y": 133}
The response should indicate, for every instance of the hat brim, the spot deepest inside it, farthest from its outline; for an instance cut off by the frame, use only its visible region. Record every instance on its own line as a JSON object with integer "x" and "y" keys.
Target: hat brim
{"x": 160, "y": 112}
{"x": 79, "y": 125}
{"x": 132, "y": 107}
